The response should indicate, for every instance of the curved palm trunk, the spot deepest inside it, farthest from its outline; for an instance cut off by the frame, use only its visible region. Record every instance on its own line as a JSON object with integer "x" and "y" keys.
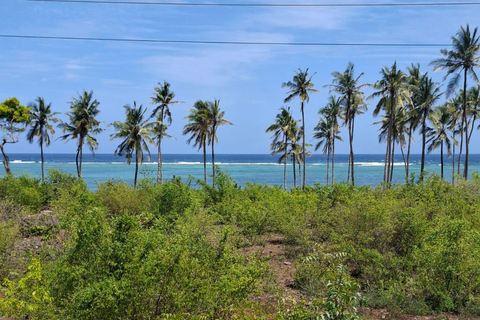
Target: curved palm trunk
{"x": 41, "y": 159}
{"x": 6, "y": 160}
{"x": 76, "y": 161}
{"x": 465, "y": 168}
{"x": 328, "y": 165}
{"x": 453, "y": 162}
{"x": 404, "y": 163}
{"x": 303, "y": 148}
{"x": 136, "y": 170}
{"x": 441, "y": 159}
{"x": 460, "y": 149}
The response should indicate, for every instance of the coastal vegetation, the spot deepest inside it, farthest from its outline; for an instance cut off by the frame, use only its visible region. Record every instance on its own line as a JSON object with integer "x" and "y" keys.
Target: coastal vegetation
{"x": 191, "y": 251}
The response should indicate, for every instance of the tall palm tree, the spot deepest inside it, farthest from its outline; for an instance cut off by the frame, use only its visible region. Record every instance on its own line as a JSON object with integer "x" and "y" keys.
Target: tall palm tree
{"x": 300, "y": 87}
{"x": 198, "y": 127}
{"x": 281, "y": 130}
{"x": 40, "y": 117}
{"x": 215, "y": 120}
{"x": 413, "y": 114}
{"x": 135, "y": 132}
{"x": 463, "y": 58}
{"x": 163, "y": 99}
{"x": 428, "y": 93}
{"x": 82, "y": 125}
{"x": 438, "y": 133}
{"x": 393, "y": 90}
{"x": 346, "y": 84}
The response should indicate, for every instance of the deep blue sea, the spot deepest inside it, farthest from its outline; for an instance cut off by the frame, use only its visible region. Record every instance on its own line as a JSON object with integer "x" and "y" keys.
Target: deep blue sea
{"x": 243, "y": 168}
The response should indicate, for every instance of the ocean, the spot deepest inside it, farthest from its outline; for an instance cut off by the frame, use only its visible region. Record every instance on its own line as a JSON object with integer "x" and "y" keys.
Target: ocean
{"x": 243, "y": 168}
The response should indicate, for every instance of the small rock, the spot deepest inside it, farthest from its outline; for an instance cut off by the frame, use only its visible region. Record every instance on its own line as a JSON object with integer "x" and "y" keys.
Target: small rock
{"x": 287, "y": 263}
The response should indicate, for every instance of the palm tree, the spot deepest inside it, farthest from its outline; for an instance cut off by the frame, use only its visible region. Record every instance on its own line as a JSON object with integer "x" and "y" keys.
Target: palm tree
{"x": 136, "y": 132}
{"x": 438, "y": 133}
{"x": 464, "y": 58}
{"x": 215, "y": 120}
{"x": 413, "y": 114}
{"x": 346, "y": 84}
{"x": 454, "y": 107}
{"x": 198, "y": 127}
{"x": 393, "y": 91}
{"x": 428, "y": 94}
{"x": 82, "y": 125}
{"x": 301, "y": 86}
{"x": 282, "y": 128}
{"x": 163, "y": 99}
{"x": 40, "y": 117}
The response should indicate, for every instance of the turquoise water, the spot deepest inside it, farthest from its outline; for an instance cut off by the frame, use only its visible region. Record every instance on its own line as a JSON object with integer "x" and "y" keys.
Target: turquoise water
{"x": 243, "y": 168}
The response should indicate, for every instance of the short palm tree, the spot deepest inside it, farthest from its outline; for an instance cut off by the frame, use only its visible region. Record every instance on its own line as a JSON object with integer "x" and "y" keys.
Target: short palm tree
{"x": 281, "y": 129}
{"x": 198, "y": 127}
{"x": 82, "y": 125}
{"x": 393, "y": 91}
{"x": 216, "y": 119}
{"x": 163, "y": 98}
{"x": 346, "y": 84}
{"x": 41, "y": 117}
{"x": 136, "y": 133}
{"x": 301, "y": 87}
{"x": 438, "y": 134}
{"x": 463, "y": 58}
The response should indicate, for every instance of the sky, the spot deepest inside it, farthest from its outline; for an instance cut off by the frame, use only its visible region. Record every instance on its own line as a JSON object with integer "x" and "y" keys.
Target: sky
{"x": 246, "y": 79}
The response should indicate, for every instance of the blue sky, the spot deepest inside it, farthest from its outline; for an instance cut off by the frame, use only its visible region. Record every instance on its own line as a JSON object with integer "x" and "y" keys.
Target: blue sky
{"x": 246, "y": 79}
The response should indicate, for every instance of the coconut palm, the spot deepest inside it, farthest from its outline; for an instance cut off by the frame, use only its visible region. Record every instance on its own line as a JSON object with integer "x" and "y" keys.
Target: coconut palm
{"x": 215, "y": 120}
{"x": 198, "y": 127}
{"x": 438, "y": 134}
{"x": 455, "y": 110}
{"x": 82, "y": 125}
{"x": 427, "y": 94}
{"x": 163, "y": 99}
{"x": 394, "y": 93}
{"x": 462, "y": 59}
{"x": 41, "y": 117}
{"x": 282, "y": 132}
{"x": 136, "y": 133}
{"x": 346, "y": 84}
{"x": 413, "y": 115}
{"x": 300, "y": 87}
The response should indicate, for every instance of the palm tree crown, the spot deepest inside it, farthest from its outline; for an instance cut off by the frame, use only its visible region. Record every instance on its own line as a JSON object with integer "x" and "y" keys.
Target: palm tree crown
{"x": 82, "y": 125}
{"x": 135, "y": 132}
{"x": 40, "y": 117}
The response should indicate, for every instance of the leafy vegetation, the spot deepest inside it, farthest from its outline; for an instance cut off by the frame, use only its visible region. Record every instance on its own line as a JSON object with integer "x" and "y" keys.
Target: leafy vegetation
{"x": 175, "y": 250}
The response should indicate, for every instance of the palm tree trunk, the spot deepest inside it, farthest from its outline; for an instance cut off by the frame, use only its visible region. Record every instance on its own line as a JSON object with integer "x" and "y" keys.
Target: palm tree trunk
{"x": 465, "y": 168}
{"x": 136, "y": 170}
{"x": 453, "y": 161}
{"x": 424, "y": 137}
{"x": 328, "y": 164}
{"x": 408, "y": 152}
{"x": 285, "y": 158}
{"x": 404, "y": 163}
{"x": 460, "y": 149}
{"x": 80, "y": 163}
{"x": 392, "y": 162}
{"x": 159, "y": 148}
{"x": 303, "y": 148}
{"x": 441, "y": 160}
{"x": 41, "y": 159}
{"x": 213, "y": 154}
{"x": 351, "y": 149}
{"x": 333, "y": 161}
{"x": 294, "y": 172}
{"x": 204, "y": 161}
{"x": 6, "y": 160}
{"x": 76, "y": 161}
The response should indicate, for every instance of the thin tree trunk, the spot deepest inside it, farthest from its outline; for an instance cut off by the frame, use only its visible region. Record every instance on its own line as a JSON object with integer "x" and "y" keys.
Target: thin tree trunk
{"x": 465, "y": 168}
{"x": 441, "y": 160}
{"x": 303, "y": 148}
{"x": 41, "y": 159}
{"x": 6, "y": 160}
{"x": 294, "y": 172}
{"x": 347, "y": 117}
{"x": 285, "y": 165}
{"x": 204, "y": 162}
{"x": 333, "y": 162}
{"x": 404, "y": 164}
{"x": 392, "y": 162}
{"x": 76, "y": 161}
{"x": 352, "y": 163}
{"x": 453, "y": 162}
{"x": 408, "y": 152}
{"x": 136, "y": 170}
{"x": 213, "y": 154}
{"x": 328, "y": 164}
{"x": 424, "y": 137}
{"x": 80, "y": 162}
{"x": 159, "y": 148}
